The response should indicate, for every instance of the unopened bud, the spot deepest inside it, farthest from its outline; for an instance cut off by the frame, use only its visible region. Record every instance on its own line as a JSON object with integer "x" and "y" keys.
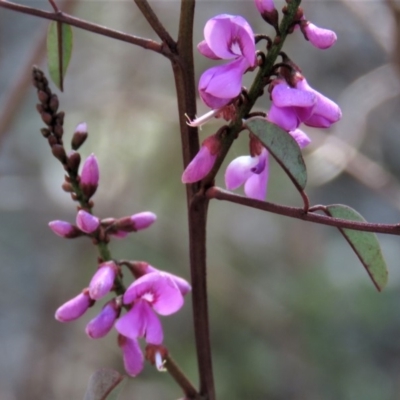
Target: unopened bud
{"x": 87, "y": 222}
{"x": 74, "y": 159}
{"x": 103, "y": 280}
{"x": 64, "y": 229}
{"x": 59, "y": 153}
{"x": 89, "y": 176}
{"x": 74, "y": 308}
{"x": 46, "y": 118}
{"x": 53, "y": 103}
{"x": 80, "y": 135}
{"x": 42, "y": 96}
{"x": 45, "y": 132}
{"x": 99, "y": 326}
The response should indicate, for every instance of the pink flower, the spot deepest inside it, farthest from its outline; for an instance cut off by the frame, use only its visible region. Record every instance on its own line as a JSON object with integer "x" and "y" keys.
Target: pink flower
{"x": 64, "y": 229}
{"x": 74, "y": 308}
{"x": 136, "y": 222}
{"x": 99, "y": 326}
{"x": 253, "y": 172}
{"x": 132, "y": 355}
{"x": 153, "y": 291}
{"x": 90, "y": 176}
{"x": 264, "y": 6}
{"x": 103, "y": 280}
{"x": 203, "y": 161}
{"x": 292, "y": 106}
{"x": 318, "y": 37}
{"x": 87, "y": 222}
{"x": 227, "y": 37}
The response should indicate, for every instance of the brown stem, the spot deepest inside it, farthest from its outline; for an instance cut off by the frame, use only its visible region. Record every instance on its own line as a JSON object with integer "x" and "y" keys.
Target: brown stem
{"x": 299, "y": 213}
{"x": 89, "y": 26}
{"x": 54, "y": 5}
{"x": 155, "y": 23}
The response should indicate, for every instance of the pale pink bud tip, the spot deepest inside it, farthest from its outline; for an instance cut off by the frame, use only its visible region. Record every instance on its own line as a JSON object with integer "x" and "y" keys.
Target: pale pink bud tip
{"x": 73, "y": 308}
{"x": 143, "y": 220}
{"x": 319, "y": 37}
{"x": 81, "y": 128}
{"x": 64, "y": 229}
{"x": 103, "y": 280}
{"x": 265, "y": 6}
{"x": 87, "y": 222}
{"x": 90, "y": 171}
{"x": 103, "y": 322}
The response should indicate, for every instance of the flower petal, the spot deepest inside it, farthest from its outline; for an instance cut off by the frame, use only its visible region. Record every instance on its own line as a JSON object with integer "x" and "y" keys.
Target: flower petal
{"x": 132, "y": 355}
{"x": 205, "y": 50}
{"x": 301, "y": 138}
{"x": 285, "y": 117}
{"x": 154, "y": 332}
{"x": 100, "y": 325}
{"x": 319, "y": 37}
{"x": 285, "y": 96}
{"x": 200, "y": 166}
{"x": 73, "y": 308}
{"x": 133, "y": 323}
{"x": 183, "y": 285}
{"x": 256, "y": 186}
{"x": 239, "y": 170}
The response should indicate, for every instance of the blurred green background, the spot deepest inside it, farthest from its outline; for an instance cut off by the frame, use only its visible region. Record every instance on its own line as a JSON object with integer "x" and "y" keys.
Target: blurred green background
{"x": 293, "y": 313}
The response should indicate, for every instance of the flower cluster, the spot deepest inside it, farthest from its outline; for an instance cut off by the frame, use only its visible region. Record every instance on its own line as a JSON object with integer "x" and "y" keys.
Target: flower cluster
{"x": 293, "y": 101}
{"x": 152, "y": 292}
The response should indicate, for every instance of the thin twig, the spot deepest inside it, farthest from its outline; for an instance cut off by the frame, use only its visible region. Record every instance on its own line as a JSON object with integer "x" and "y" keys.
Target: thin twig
{"x": 299, "y": 213}
{"x": 89, "y": 26}
{"x": 54, "y": 5}
{"x": 155, "y": 23}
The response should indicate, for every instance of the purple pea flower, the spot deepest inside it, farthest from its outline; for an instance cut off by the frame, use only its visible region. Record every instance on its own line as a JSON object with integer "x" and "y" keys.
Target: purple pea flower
{"x": 74, "y": 308}
{"x": 103, "y": 280}
{"x": 153, "y": 291}
{"x": 253, "y": 172}
{"x": 100, "y": 325}
{"x": 292, "y": 106}
{"x": 90, "y": 176}
{"x": 64, "y": 229}
{"x": 87, "y": 222}
{"x": 227, "y": 37}
{"x": 132, "y": 355}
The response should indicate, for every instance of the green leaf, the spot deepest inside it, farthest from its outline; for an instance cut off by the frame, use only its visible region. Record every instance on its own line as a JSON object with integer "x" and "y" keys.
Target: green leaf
{"x": 59, "y": 49}
{"x": 283, "y": 148}
{"x": 365, "y": 245}
{"x": 104, "y": 384}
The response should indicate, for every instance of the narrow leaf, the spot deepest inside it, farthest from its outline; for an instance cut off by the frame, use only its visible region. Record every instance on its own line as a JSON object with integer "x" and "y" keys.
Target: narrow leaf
{"x": 364, "y": 244}
{"x": 59, "y": 49}
{"x": 283, "y": 148}
{"x": 104, "y": 384}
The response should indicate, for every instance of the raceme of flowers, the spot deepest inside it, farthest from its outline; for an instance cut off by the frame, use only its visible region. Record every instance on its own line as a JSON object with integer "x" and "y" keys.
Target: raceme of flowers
{"x": 293, "y": 101}
{"x": 153, "y": 292}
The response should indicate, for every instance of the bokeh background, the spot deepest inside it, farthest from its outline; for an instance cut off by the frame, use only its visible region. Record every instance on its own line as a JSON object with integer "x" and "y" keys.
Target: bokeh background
{"x": 293, "y": 313}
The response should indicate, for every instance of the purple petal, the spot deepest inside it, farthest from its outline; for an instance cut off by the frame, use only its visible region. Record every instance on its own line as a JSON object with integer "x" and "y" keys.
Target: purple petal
{"x": 102, "y": 281}
{"x": 200, "y": 166}
{"x": 223, "y": 81}
{"x": 132, "y": 355}
{"x": 141, "y": 321}
{"x": 285, "y": 96}
{"x": 159, "y": 290}
{"x": 205, "y": 50}
{"x": 320, "y": 37}
{"x": 301, "y": 138}
{"x": 285, "y": 117}
{"x": 64, "y": 229}
{"x": 73, "y": 308}
{"x": 87, "y": 222}
{"x": 143, "y": 220}
{"x": 99, "y": 326}
{"x": 256, "y": 186}
{"x": 265, "y": 6}
{"x": 182, "y": 284}
{"x": 239, "y": 170}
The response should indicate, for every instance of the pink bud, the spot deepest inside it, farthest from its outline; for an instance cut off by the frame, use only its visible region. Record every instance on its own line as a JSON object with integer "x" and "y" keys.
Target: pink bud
{"x": 203, "y": 161}
{"x": 90, "y": 176}
{"x": 103, "y": 322}
{"x": 87, "y": 222}
{"x": 80, "y": 135}
{"x": 318, "y": 37}
{"x": 64, "y": 229}
{"x": 143, "y": 220}
{"x": 74, "y": 308}
{"x": 103, "y": 280}
{"x": 265, "y": 6}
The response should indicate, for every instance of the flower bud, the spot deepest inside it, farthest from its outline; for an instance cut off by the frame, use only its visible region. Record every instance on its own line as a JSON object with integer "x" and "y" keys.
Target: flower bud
{"x": 73, "y": 161}
{"x": 203, "y": 161}
{"x": 90, "y": 176}
{"x": 64, "y": 229}
{"x": 318, "y": 37}
{"x": 87, "y": 222}
{"x": 79, "y": 137}
{"x": 103, "y": 280}
{"x": 268, "y": 11}
{"x": 104, "y": 321}
{"x": 74, "y": 308}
